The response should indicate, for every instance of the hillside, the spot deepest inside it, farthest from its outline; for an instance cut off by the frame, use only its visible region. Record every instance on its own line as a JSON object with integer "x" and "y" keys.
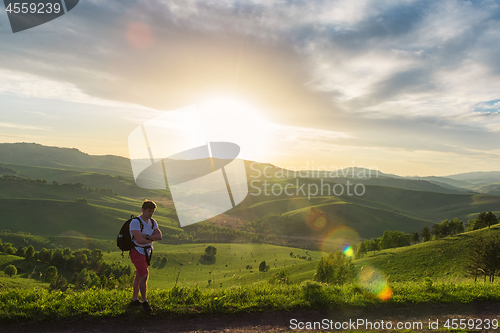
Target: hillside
{"x": 64, "y": 161}
{"x": 483, "y": 182}
{"x": 66, "y": 158}
{"x": 388, "y": 202}
{"x": 122, "y": 185}
{"x": 52, "y": 217}
{"x": 442, "y": 259}
{"x": 380, "y": 208}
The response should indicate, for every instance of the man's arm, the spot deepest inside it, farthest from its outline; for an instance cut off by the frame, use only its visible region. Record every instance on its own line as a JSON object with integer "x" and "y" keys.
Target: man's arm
{"x": 139, "y": 237}
{"x": 156, "y": 236}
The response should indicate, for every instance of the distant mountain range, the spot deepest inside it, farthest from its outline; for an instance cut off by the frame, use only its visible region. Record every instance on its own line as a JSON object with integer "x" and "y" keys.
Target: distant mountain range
{"x": 71, "y": 158}
{"x": 44, "y": 156}
{"x": 390, "y": 202}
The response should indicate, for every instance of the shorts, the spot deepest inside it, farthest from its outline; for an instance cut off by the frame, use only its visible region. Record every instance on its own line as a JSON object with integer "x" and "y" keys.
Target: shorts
{"x": 139, "y": 261}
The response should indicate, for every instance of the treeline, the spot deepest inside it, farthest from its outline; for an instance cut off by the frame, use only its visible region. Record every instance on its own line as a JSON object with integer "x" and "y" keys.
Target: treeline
{"x": 23, "y": 180}
{"x": 98, "y": 190}
{"x": 90, "y": 269}
{"x": 204, "y": 232}
{"x": 483, "y": 257}
{"x": 483, "y": 220}
{"x": 394, "y": 239}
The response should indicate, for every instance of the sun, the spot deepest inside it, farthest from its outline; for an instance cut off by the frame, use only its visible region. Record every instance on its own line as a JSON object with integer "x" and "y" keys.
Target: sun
{"x": 233, "y": 120}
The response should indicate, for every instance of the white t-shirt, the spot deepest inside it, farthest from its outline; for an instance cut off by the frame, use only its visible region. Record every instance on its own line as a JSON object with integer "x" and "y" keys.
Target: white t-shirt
{"x": 149, "y": 226}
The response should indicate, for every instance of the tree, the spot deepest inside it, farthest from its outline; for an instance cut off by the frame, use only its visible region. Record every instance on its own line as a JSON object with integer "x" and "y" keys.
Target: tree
{"x": 483, "y": 257}
{"x": 60, "y": 283}
{"x": 415, "y": 237}
{"x": 82, "y": 279}
{"x": 457, "y": 227}
{"x": 211, "y": 250}
{"x": 485, "y": 220}
{"x": 51, "y": 274}
{"x": 263, "y": 267}
{"x": 444, "y": 228}
{"x": 436, "y": 231}
{"x": 386, "y": 240}
{"x": 374, "y": 245}
{"x": 82, "y": 201}
{"x": 361, "y": 250}
{"x": 46, "y": 255}
{"x": 11, "y": 250}
{"x": 10, "y": 270}
{"x": 21, "y": 251}
{"x": 490, "y": 219}
{"x": 392, "y": 239}
{"x": 281, "y": 277}
{"x": 470, "y": 225}
{"x": 335, "y": 268}
{"x": 426, "y": 234}
{"x": 29, "y": 254}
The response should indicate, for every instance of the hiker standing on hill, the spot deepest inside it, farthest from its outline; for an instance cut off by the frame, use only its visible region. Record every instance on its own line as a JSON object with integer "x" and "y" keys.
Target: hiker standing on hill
{"x": 143, "y": 237}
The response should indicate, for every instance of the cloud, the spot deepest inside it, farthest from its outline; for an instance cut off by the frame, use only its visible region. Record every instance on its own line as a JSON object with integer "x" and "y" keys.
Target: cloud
{"x": 389, "y": 74}
{"x": 23, "y": 127}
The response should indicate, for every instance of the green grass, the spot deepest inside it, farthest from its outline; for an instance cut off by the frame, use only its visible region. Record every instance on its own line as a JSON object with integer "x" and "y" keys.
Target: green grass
{"x": 52, "y": 242}
{"x": 46, "y": 217}
{"x": 38, "y": 304}
{"x": 29, "y": 274}
{"x": 442, "y": 259}
{"x": 229, "y": 268}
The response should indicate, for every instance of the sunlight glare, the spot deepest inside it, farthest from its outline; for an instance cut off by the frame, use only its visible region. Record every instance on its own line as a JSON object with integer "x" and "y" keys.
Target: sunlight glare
{"x": 231, "y": 120}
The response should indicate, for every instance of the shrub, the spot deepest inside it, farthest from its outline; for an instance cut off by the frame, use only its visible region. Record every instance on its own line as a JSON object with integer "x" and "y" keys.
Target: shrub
{"x": 281, "y": 277}
{"x": 263, "y": 267}
{"x": 314, "y": 293}
{"x": 10, "y": 270}
{"x": 51, "y": 274}
{"x": 60, "y": 283}
{"x": 335, "y": 268}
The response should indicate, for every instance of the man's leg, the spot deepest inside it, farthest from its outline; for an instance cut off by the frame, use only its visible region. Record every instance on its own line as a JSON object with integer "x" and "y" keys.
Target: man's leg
{"x": 135, "y": 286}
{"x": 141, "y": 274}
{"x": 143, "y": 286}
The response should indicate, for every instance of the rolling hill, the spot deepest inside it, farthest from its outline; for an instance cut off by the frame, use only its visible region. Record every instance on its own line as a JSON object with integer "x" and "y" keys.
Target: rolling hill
{"x": 62, "y": 158}
{"x": 388, "y": 202}
{"x": 442, "y": 259}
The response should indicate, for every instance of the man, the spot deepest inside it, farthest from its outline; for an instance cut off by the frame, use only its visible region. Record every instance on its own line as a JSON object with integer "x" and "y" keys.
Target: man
{"x": 141, "y": 253}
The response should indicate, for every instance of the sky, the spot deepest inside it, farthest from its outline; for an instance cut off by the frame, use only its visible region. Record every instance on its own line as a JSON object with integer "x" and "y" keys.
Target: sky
{"x": 408, "y": 87}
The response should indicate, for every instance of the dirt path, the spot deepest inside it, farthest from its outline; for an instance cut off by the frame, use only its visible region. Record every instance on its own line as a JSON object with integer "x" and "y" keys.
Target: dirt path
{"x": 273, "y": 321}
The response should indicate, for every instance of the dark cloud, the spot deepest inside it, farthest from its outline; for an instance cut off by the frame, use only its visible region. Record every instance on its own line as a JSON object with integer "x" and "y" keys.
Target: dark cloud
{"x": 387, "y": 27}
{"x": 418, "y": 80}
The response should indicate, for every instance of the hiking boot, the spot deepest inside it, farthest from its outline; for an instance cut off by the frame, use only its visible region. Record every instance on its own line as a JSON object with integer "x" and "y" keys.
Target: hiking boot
{"x": 146, "y": 307}
{"x": 135, "y": 302}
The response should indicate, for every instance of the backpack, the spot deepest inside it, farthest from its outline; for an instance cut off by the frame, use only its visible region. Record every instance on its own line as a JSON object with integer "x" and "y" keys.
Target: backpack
{"x": 124, "y": 240}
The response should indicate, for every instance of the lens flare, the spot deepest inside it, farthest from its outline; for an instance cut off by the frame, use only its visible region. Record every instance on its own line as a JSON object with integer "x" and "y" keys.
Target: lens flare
{"x": 372, "y": 281}
{"x": 76, "y": 239}
{"x": 348, "y": 251}
{"x": 139, "y": 35}
{"x": 339, "y": 239}
{"x": 316, "y": 219}
{"x": 297, "y": 203}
